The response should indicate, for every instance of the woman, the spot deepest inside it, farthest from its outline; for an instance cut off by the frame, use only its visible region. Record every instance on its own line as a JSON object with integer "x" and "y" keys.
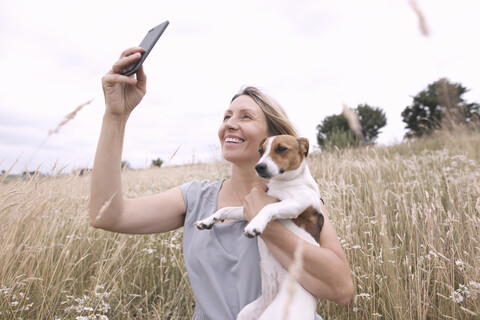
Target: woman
{"x": 222, "y": 264}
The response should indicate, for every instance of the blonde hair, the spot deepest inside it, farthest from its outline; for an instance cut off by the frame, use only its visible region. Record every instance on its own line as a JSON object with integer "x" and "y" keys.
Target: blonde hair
{"x": 277, "y": 120}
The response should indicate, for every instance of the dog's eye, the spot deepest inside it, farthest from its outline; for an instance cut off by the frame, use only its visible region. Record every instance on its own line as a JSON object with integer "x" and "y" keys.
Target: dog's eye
{"x": 261, "y": 151}
{"x": 281, "y": 149}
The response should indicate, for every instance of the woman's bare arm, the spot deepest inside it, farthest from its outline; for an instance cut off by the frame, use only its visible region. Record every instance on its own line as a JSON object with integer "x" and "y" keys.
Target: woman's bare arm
{"x": 108, "y": 209}
{"x": 326, "y": 272}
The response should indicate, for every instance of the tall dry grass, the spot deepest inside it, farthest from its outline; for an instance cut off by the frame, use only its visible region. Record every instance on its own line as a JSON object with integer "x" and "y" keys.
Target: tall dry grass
{"x": 408, "y": 217}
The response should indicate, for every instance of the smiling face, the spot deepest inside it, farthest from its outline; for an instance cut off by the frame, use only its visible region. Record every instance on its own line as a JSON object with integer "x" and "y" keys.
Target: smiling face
{"x": 244, "y": 127}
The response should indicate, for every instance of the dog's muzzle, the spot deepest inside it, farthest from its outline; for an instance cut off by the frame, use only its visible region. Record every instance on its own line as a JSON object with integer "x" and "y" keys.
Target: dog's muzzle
{"x": 262, "y": 171}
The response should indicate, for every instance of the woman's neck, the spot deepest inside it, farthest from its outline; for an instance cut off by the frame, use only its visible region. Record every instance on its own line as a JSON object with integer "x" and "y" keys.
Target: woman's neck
{"x": 244, "y": 179}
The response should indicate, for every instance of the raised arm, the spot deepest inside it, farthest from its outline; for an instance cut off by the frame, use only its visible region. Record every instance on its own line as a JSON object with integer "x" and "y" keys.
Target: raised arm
{"x": 108, "y": 209}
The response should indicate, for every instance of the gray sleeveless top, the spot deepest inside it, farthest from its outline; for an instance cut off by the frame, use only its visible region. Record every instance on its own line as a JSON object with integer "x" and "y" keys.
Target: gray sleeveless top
{"x": 222, "y": 264}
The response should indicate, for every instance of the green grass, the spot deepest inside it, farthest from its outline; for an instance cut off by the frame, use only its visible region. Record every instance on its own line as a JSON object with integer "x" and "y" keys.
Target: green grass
{"x": 408, "y": 218}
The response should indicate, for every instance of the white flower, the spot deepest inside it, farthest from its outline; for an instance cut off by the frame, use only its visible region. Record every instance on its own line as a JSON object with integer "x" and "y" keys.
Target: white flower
{"x": 103, "y": 317}
{"x": 363, "y": 295}
{"x": 460, "y": 264}
{"x": 474, "y": 284}
{"x": 464, "y": 291}
{"x": 456, "y": 297}
{"x": 14, "y": 303}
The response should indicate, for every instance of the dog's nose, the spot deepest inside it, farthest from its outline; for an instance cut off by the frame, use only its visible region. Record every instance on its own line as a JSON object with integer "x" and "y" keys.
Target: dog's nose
{"x": 261, "y": 168}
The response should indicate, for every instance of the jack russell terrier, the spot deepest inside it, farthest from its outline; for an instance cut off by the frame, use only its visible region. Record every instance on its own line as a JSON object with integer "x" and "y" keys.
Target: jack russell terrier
{"x": 283, "y": 163}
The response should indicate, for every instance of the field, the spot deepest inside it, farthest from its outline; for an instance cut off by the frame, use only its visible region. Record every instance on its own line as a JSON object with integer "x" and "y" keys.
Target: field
{"x": 408, "y": 217}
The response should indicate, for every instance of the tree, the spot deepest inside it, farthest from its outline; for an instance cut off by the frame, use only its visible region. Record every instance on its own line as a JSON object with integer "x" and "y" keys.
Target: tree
{"x": 336, "y": 131}
{"x": 440, "y": 105}
{"x": 157, "y": 162}
{"x": 331, "y": 125}
{"x": 372, "y": 120}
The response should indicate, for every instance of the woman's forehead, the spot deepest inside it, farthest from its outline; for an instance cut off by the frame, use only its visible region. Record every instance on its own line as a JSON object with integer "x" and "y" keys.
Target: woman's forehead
{"x": 244, "y": 103}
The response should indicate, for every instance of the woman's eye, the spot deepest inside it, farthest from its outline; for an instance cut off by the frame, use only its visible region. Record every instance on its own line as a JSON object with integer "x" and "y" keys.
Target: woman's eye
{"x": 226, "y": 117}
{"x": 247, "y": 117}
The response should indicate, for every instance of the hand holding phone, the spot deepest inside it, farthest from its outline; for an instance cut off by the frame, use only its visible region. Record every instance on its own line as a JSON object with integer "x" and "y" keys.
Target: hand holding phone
{"x": 147, "y": 43}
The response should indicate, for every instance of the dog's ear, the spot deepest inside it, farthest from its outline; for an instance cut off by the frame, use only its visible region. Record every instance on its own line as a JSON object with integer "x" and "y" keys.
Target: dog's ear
{"x": 304, "y": 145}
{"x": 262, "y": 142}
{"x": 260, "y": 146}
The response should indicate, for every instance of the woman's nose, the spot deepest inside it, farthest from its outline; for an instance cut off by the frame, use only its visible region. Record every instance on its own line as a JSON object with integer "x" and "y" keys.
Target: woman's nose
{"x": 231, "y": 123}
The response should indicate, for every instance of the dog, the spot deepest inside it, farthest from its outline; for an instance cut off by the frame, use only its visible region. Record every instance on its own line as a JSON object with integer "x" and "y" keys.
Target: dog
{"x": 283, "y": 163}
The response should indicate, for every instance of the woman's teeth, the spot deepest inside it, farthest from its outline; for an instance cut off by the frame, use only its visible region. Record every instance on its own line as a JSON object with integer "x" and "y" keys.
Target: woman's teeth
{"x": 234, "y": 140}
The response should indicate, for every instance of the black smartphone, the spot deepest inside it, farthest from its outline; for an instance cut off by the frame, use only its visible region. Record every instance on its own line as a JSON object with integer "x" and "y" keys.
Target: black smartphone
{"x": 147, "y": 43}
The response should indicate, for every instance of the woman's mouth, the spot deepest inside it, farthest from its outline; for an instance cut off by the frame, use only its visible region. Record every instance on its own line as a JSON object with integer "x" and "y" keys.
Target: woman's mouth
{"x": 234, "y": 140}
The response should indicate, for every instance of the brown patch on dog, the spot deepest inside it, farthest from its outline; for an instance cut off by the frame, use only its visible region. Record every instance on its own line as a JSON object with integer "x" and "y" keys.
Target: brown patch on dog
{"x": 288, "y": 152}
{"x": 311, "y": 221}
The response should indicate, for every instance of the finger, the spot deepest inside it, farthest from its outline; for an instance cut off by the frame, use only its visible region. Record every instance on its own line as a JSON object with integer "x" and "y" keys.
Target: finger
{"x": 130, "y": 51}
{"x": 120, "y": 65}
{"x": 114, "y": 78}
{"x": 141, "y": 76}
{"x": 261, "y": 185}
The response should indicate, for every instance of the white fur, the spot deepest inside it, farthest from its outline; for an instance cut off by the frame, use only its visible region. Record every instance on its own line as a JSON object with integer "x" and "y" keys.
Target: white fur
{"x": 296, "y": 190}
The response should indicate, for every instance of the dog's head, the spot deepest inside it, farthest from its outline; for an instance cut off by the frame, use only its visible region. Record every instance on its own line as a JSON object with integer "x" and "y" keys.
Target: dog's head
{"x": 281, "y": 155}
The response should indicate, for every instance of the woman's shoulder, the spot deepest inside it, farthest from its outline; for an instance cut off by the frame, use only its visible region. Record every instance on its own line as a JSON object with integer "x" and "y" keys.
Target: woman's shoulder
{"x": 200, "y": 186}
{"x": 197, "y": 189}
{"x": 200, "y": 198}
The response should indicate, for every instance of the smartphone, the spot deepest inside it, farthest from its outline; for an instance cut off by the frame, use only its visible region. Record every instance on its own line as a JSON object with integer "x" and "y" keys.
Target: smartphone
{"x": 147, "y": 43}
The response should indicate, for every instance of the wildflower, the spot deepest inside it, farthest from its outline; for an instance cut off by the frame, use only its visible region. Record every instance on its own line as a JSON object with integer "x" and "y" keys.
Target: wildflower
{"x": 363, "y": 295}
{"x": 103, "y": 317}
{"x": 474, "y": 284}
{"x": 460, "y": 264}
{"x": 464, "y": 291}
{"x": 14, "y": 303}
{"x": 377, "y": 315}
{"x": 28, "y": 306}
{"x": 456, "y": 297}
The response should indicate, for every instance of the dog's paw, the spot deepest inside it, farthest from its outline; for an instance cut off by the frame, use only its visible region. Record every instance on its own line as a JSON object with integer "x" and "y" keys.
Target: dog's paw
{"x": 252, "y": 233}
{"x": 207, "y": 223}
{"x": 202, "y": 225}
{"x": 256, "y": 226}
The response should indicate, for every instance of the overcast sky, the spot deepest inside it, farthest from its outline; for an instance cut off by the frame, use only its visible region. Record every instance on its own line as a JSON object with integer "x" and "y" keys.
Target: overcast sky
{"x": 310, "y": 55}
